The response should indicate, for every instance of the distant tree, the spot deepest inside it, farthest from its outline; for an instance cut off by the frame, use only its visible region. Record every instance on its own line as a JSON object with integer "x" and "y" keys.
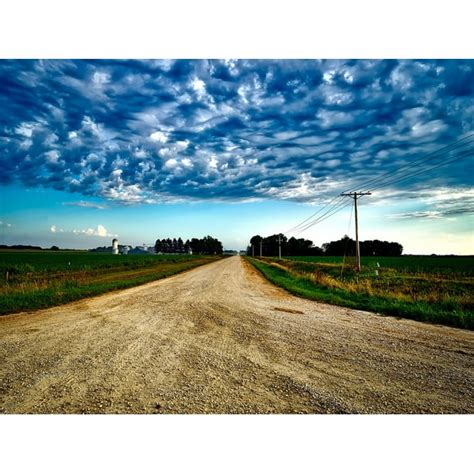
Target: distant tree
{"x": 206, "y": 245}
{"x": 290, "y": 246}
{"x": 380, "y": 248}
{"x": 255, "y": 242}
{"x": 54, "y": 247}
{"x": 158, "y": 246}
{"x": 346, "y": 246}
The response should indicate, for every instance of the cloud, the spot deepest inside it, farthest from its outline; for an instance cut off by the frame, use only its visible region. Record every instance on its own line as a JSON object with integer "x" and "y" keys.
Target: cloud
{"x": 5, "y": 224}
{"x": 441, "y": 203}
{"x": 88, "y": 204}
{"x": 235, "y": 130}
{"x": 159, "y": 137}
{"x": 99, "y": 231}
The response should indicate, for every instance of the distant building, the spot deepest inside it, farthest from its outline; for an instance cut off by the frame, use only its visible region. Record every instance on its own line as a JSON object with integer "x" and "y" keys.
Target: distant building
{"x": 115, "y": 247}
{"x": 138, "y": 251}
{"x": 125, "y": 249}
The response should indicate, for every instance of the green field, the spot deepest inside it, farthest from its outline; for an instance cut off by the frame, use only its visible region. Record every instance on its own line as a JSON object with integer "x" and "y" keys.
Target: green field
{"x": 406, "y": 264}
{"x": 31, "y": 280}
{"x": 434, "y": 289}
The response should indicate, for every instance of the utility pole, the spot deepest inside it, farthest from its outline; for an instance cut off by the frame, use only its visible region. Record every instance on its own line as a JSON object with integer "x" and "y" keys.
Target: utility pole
{"x": 354, "y": 196}
{"x": 279, "y": 247}
{"x": 261, "y": 241}
{"x": 253, "y": 250}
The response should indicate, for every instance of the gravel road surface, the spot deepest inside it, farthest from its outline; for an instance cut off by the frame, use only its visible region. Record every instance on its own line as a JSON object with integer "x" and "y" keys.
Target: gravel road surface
{"x": 221, "y": 339}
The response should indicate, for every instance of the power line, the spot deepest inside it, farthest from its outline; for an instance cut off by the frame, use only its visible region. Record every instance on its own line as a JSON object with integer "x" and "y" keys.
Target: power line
{"x": 459, "y": 143}
{"x": 387, "y": 179}
{"x": 336, "y": 198}
{"x": 423, "y": 170}
{"x": 322, "y": 218}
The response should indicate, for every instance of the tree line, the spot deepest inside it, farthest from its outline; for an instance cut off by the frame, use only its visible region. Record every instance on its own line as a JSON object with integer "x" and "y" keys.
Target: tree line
{"x": 304, "y": 247}
{"x": 206, "y": 246}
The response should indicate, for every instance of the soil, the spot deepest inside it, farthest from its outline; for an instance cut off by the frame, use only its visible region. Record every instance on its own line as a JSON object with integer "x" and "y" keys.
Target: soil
{"x": 221, "y": 339}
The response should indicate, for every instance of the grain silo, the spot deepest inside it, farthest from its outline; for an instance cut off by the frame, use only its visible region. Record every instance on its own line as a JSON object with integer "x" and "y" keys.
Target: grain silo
{"x": 115, "y": 248}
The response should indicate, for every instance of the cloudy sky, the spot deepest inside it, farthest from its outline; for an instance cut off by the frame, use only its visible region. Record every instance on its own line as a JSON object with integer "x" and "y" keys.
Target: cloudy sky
{"x": 142, "y": 150}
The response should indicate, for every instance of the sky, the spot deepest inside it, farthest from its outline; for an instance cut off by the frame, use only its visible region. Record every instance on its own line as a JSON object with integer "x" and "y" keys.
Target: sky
{"x": 147, "y": 149}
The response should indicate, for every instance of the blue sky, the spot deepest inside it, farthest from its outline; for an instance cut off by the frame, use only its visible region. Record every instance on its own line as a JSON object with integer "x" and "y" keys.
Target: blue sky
{"x": 156, "y": 148}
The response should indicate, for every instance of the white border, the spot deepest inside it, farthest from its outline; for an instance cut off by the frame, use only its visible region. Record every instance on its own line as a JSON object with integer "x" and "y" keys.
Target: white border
{"x": 236, "y": 444}
{"x": 239, "y": 29}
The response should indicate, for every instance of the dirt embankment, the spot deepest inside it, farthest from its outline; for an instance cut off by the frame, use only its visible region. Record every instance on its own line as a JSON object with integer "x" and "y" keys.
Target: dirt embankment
{"x": 220, "y": 339}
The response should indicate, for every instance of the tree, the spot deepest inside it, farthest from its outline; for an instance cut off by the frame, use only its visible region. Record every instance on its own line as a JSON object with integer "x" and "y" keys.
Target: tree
{"x": 346, "y": 246}
{"x": 290, "y": 246}
{"x": 206, "y": 246}
{"x": 158, "y": 246}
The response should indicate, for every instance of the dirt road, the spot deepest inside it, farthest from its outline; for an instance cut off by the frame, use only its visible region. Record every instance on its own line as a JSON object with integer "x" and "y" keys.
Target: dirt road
{"x": 220, "y": 339}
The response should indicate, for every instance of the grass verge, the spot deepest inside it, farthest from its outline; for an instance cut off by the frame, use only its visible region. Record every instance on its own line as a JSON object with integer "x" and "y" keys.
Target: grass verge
{"x": 450, "y": 313}
{"x": 39, "y": 292}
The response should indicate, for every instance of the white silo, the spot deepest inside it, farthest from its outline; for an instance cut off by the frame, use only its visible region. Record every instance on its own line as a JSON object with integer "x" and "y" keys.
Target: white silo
{"x": 115, "y": 249}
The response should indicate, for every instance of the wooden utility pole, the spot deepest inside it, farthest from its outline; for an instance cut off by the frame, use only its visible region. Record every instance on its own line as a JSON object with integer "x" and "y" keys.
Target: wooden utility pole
{"x": 279, "y": 247}
{"x": 261, "y": 242}
{"x": 253, "y": 250}
{"x": 354, "y": 196}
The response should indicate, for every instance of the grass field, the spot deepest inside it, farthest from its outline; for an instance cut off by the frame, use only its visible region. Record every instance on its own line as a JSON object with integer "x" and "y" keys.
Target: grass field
{"x": 33, "y": 280}
{"x": 434, "y": 289}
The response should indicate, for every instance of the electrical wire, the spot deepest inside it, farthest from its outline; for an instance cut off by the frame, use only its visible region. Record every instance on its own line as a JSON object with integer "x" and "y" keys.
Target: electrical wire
{"x": 389, "y": 178}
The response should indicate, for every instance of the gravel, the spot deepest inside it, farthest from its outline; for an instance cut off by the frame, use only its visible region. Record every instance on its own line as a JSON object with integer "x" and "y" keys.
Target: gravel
{"x": 221, "y": 339}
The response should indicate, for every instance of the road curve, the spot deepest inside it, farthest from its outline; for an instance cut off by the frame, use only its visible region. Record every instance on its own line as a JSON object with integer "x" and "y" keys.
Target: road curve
{"x": 221, "y": 339}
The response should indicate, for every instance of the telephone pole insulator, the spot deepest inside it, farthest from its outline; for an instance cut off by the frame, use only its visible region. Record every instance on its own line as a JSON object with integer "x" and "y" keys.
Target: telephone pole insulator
{"x": 354, "y": 196}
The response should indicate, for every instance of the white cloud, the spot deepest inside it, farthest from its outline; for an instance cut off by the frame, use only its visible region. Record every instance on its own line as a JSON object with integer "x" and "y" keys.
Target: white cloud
{"x": 182, "y": 145}
{"x": 213, "y": 163}
{"x": 187, "y": 163}
{"x": 100, "y": 78}
{"x": 199, "y": 86}
{"x": 99, "y": 231}
{"x": 25, "y": 129}
{"x": 428, "y": 129}
{"x": 88, "y": 204}
{"x": 4, "y": 224}
{"x": 171, "y": 163}
{"x": 159, "y": 137}
{"x": 164, "y": 152}
{"x": 140, "y": 153}
{"x": 52, "y": 156}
